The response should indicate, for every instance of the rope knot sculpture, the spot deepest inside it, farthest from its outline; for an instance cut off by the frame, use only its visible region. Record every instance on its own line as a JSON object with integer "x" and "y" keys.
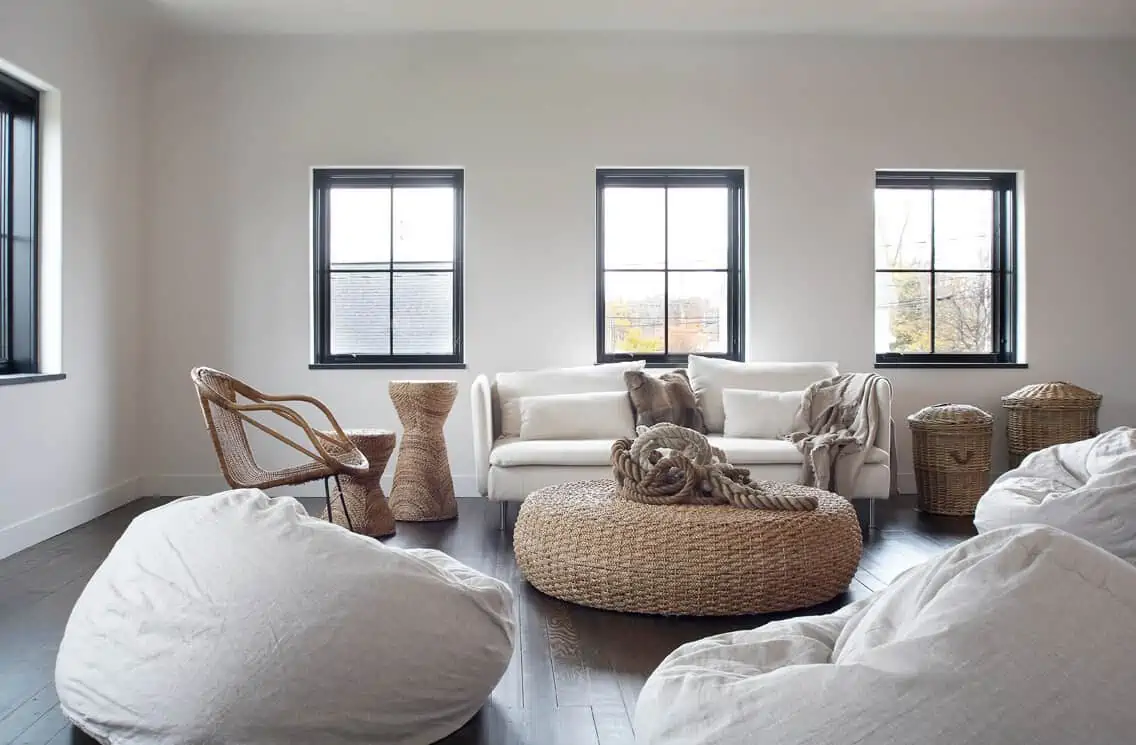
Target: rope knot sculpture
{"x": 669, "y": 464}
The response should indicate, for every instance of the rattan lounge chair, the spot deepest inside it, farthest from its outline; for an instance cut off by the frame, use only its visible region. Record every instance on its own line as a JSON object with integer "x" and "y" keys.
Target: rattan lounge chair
{"x": 227, "y": 404}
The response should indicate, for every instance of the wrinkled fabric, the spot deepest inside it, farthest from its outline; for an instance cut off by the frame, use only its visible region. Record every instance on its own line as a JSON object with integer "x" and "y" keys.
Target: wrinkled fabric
{"x": 837, "y": 423}
{"x": 1086, "y": 488}
{"x": 1022, "y": 636}
{"x": 236, "y": 618}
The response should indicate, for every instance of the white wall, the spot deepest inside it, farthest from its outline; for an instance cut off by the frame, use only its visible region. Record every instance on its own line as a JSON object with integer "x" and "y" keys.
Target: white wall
{"x": 69, "y": 449}
{"x": 236, "y": 123}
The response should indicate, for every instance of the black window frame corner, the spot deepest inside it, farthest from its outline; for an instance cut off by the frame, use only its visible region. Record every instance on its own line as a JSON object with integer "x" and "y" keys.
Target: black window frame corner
{"x": 325, "y": 179}
{"x": 732, "y": 178}
{"x": 1005, "y": 257}
{"x": 19, "y": 268}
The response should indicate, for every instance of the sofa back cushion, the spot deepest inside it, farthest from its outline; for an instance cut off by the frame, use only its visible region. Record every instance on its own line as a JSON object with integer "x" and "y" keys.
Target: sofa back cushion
{"x": 764, "y": 414}
{"x": 513, "y": 386}
{"x": 577, "y": 416}
{"x": 663, "y": 398}
{"x": 710, "y": 376}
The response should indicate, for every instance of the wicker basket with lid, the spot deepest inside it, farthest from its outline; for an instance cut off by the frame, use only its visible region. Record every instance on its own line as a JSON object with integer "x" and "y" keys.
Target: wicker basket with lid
{"x": 951, "y": 448}
{"x": 1045, "y": 414}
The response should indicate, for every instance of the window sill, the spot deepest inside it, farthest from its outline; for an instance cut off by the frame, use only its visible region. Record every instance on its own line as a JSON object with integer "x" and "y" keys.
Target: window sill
{"x": 953, "y": 365}
{"x": 25, "y": 378}
{"x": 387, "y": 366}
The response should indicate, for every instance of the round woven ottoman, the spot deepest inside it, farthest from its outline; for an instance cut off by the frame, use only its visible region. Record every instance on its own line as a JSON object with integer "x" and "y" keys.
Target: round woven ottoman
{"x": 578, "y": 542}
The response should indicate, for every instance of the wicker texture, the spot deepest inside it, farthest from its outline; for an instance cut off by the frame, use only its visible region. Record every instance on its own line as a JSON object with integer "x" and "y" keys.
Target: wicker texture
{"x": 579, "y": 542}
{"x": 1045, "y": 414}
{"x": 951, "y": 449}
{"x": 423, "y": 486}
{"x": 366, "y": 504}
{"x": 327, "y": 454}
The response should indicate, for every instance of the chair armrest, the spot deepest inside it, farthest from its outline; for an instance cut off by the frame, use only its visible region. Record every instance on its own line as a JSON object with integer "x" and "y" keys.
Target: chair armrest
{"x": 299, "y": 398}
{"x": 350, "y": 459}
{"x": 481, "y": 398}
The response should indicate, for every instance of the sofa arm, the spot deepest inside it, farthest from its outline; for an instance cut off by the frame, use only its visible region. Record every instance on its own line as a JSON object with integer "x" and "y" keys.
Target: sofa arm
{"x": 883, "y": 396}
{"x": 481, "y": 397}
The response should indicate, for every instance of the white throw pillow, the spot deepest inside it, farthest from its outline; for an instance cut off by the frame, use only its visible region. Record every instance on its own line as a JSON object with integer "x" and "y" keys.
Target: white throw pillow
{"x": 763, "y": 414}
{"x": 710, "y": 376}
{"x": 577, "y": 416}
{"x": 513, "y": 386}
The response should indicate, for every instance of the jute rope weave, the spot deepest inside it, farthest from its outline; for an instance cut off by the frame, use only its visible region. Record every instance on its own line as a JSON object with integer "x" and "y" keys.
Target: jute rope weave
{"x": 423, "y": 488}
{"x": 951, "y": 454}
{"x": 366, "y": 504}
{"x": 1046, "y": 414}
{"x": 692, "y": 472}
{"x": 581, "y": 543}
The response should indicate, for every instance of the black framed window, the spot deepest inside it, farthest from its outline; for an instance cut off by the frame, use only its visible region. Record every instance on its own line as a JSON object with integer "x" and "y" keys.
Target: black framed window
{"x": 388, "y": 267}
{"x": 670, "y": 255}
{"x": 19, "y": 198}
{"x": 945, "y": 268}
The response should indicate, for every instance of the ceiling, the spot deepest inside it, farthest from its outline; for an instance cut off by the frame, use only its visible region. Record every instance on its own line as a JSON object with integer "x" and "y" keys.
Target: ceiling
{"x": 1041, "y": 18}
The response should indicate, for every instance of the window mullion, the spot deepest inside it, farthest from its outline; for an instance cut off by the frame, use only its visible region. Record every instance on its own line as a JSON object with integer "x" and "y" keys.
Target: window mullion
{"x": 390, "y": 277}
{"x": 666, "y": 271}
{"x": 999, "y": 315}
{"x": 931, "y": 278}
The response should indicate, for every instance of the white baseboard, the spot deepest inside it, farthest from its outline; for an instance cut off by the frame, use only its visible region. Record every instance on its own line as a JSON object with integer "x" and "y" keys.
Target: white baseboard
{"x": 182, "y": 485}
{"x": 53, "y": 522}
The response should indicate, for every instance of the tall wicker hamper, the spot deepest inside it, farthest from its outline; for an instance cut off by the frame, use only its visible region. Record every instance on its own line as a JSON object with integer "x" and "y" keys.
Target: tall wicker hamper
{"x": 1045, "y": 414}
{"x": 951, "y": 444}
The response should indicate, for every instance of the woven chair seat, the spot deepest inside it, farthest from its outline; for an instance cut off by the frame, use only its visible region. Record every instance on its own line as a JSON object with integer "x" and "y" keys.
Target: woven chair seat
{"x": 579, "y": 542}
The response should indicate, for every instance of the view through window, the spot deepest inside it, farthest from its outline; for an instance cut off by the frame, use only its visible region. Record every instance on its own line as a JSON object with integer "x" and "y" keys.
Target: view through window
{"x": 388, "y": 261}
{"x": 670, "y": 264}
{"x": 945, "y": 267}
{"x": 19, "y": 106}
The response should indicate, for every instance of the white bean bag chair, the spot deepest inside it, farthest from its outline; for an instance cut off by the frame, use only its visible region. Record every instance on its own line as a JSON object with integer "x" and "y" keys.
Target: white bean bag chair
{"x": 1086, "y": 488}
{"x": 1023, "y": 636}
{"x": 239, "y": 619}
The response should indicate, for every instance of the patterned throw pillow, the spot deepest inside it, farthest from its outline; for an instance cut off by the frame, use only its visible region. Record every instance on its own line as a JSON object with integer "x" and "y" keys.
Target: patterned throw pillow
{"x": 664, "y": 398}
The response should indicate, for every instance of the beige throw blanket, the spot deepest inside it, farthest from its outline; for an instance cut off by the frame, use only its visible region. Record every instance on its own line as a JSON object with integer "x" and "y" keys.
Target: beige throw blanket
{"x": 837, "y": 422}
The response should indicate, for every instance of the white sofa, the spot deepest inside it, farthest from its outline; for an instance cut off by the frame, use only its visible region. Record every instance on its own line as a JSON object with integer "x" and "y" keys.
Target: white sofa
{"x": 510, "y": 468}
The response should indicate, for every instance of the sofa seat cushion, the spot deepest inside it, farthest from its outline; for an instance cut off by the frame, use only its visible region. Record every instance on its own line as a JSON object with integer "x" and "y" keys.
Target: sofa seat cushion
{"x": 510, "y": 452}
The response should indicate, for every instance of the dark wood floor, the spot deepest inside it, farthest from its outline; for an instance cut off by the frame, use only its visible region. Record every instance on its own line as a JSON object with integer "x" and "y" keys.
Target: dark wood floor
{"x": 573, "y": 679}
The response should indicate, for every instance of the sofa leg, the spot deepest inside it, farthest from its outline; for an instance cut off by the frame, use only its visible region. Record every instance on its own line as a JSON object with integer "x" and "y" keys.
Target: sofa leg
{"x": 504, "y": 507}
{"x": 871, "y": 513}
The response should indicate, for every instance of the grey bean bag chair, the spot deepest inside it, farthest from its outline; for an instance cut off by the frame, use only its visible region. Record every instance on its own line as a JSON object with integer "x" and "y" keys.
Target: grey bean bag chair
{"x": 236, "y": 618}
{"x": 1023, "y": 636}
{"x": 1086, "y": 488}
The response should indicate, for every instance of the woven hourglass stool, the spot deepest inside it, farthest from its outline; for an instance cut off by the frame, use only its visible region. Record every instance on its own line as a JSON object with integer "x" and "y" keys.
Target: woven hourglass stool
{"x": 951, "y": 449}
{"x": 366, "y": 504}
{"x": 1046, "y": 414}
{"x": 423, "y": 487}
